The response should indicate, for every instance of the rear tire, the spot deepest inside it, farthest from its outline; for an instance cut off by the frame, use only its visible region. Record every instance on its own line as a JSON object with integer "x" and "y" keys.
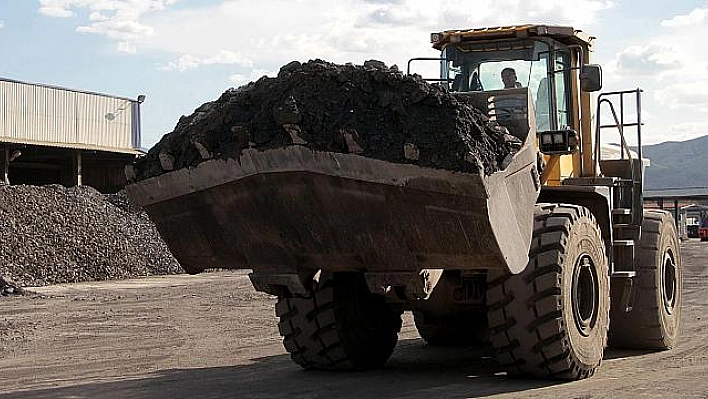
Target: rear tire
{"x": 551, "y": 320}
{"x": 653, "y": 322}
{"x": 341, "y": 327}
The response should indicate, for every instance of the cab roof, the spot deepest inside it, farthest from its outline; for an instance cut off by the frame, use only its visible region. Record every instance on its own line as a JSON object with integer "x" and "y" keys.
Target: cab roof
{"x": 563, "y": 34}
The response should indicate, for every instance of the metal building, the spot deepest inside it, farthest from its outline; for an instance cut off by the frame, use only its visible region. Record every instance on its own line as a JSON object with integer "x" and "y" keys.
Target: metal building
{"x": 54, "y": 135}
{"x": 683, "y": 202}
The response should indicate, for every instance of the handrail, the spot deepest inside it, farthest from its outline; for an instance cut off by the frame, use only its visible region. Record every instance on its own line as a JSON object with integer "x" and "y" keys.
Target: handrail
{"x": 620, "y": 127}
{"x": 619, "y": 124}
{"x": 433, "y": 80}
{"x": 408, "y": 67}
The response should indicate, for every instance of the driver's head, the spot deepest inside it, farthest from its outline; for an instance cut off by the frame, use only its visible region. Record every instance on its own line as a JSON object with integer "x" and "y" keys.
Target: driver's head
{"x": 508, "y": 76}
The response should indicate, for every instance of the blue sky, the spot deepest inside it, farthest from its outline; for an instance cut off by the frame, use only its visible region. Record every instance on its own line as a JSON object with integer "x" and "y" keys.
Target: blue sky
{"x": 182, "y": 53}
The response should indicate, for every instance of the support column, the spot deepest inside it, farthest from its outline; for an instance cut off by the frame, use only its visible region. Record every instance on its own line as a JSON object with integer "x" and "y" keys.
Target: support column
{"x": 676, "y": 212}
{"x": 79, "y": 169}
{"x": 6, "y": 164}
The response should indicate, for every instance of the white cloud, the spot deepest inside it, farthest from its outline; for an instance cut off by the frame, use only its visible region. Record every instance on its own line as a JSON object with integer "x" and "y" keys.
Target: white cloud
{"x": 685, "y": 131}
{"x": 118, "y": 29}
{"x": 97, "y": 16}
{"x": 695, "y": 17}
{"x": 2, "y": 24}
{"x": 240, "y": 79}
{"x": 580, "y": 13}
{"x": 398, "y": 15}
{"x": 228, "y": 57}
{"x": 672, "y": 67}
{"x": 118, "y": 20}
{"x": 188, "y": 62}
{"x": 127, "y": 47}
{"x": 276, "y": 32}
{"x": 55, "y": 9}
{"x": 689, "y": 96}
{"x": 650, "y": 59}
{"x": 670, "y": 57}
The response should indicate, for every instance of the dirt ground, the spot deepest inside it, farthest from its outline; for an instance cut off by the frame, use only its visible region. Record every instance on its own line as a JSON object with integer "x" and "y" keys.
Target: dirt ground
{"x": 213, "y": 336}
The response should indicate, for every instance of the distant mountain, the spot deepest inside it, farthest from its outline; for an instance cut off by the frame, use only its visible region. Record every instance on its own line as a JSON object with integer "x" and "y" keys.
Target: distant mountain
{"x": 677, "y": 164}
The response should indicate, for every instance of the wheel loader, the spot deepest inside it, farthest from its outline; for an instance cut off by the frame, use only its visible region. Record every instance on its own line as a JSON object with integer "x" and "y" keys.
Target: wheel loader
{"x": 549, "y": 260}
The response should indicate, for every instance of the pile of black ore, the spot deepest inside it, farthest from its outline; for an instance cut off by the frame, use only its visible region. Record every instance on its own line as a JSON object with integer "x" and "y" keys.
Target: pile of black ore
{"x": 369, "y": 110}
{"x": 54, "y": 234}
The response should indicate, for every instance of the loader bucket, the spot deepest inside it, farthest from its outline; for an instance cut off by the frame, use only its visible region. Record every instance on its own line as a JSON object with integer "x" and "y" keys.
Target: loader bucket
{"x": 286, "y": 210}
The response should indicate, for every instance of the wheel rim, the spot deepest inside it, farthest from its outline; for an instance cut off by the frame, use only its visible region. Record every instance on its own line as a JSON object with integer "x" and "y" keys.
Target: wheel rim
{"x": 669, "y": 283}
{"x": 585, "y": 295}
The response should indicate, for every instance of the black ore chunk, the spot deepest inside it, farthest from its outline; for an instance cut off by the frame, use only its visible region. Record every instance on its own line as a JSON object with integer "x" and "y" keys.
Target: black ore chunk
{"x": 370, "y": 110}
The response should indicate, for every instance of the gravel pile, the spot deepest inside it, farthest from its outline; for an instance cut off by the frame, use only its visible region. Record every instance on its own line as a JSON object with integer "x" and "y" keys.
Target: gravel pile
{"x": 53, "y": 234}
{"x": 369, "y": 110}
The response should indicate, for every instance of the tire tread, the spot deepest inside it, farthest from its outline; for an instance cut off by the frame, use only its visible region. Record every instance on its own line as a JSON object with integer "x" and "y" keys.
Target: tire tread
{"x": 315, "y": 335}
{"x": 642, "y": 327}
{"x": 538, "y": 344}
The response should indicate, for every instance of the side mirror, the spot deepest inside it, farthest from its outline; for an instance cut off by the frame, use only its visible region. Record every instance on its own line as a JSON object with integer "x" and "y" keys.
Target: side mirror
{"x": 590, "y": 78}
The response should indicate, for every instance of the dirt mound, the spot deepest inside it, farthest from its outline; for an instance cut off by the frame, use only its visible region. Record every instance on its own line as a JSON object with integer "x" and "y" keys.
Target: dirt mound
{"x": 369, "y": 110}
{"x": 53, "y": 234}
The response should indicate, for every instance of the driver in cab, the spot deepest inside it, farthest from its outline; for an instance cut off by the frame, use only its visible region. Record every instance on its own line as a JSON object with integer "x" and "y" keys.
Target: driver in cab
{"x": 508, "y": 76}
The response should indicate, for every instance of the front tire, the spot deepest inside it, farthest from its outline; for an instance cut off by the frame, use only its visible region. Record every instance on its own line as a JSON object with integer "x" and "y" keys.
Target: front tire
{"x": 653, "y": 321}
{"x": 551, "y": 320}
{"x": 342, "y": 326}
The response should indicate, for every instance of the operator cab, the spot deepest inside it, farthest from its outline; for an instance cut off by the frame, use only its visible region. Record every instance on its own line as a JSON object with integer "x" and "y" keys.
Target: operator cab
{"x": 546, "y": 62}
{"x": 474, "y": 66}
{"x": 474, "y": 60}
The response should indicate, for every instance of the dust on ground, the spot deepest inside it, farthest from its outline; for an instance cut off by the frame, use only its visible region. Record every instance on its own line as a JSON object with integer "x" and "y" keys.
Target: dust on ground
{"x": 213, "y": 336}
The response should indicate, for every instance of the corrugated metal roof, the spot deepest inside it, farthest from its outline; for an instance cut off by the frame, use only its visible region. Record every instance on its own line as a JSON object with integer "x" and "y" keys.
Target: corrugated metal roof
{"x": 54, "y": 116}
{"x": 684, "y": 192}
{"x": 54, "y": 87}
{"x": 76, "y": 146}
